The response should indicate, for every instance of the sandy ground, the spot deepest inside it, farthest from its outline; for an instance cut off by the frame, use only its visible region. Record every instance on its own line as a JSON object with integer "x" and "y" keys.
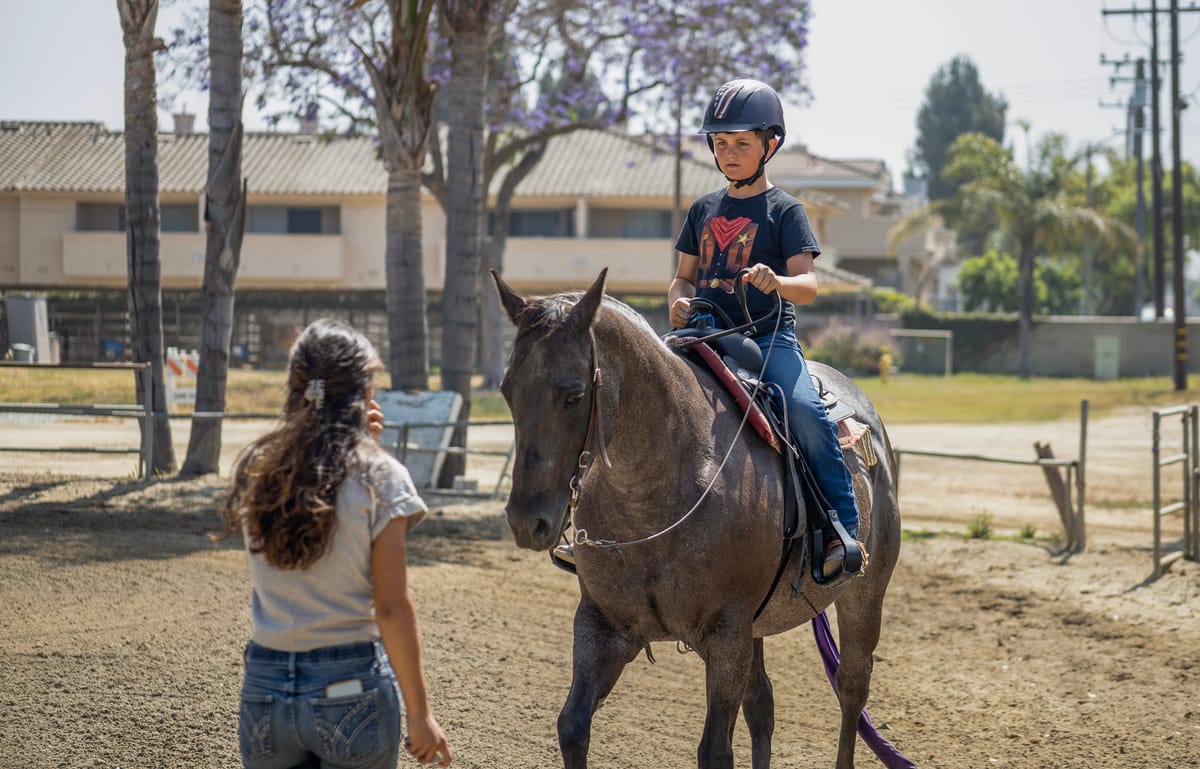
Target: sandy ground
{"x": 121, "y": 627}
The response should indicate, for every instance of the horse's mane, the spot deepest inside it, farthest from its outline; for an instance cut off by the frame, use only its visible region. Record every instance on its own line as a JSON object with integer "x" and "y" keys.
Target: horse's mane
{"x": 544, "y": 314}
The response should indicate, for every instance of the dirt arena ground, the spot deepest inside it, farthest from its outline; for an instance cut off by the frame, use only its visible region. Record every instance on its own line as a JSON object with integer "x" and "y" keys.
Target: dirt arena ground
{"x": 121, "y": 627}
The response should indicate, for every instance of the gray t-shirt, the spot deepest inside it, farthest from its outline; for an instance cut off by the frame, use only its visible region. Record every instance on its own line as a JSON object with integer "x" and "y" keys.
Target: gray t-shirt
{"x": 332, "y": 601}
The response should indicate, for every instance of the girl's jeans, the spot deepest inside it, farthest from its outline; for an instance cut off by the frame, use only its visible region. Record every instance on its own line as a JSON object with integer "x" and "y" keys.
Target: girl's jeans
{"x": 808, "y": 423}
{"x": 338, "y": 706}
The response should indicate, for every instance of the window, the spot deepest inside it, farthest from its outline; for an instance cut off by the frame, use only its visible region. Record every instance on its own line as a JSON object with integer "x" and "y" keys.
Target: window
{"x": 533, "y": 223}
{"x": 110, "y": 217}
{"x": 648, "y": 224}
{"x": 180, "y": 217}
{"x": 295, "y": 220}
{"x": 99, "y": 217}
{"x": 629, "y": 223}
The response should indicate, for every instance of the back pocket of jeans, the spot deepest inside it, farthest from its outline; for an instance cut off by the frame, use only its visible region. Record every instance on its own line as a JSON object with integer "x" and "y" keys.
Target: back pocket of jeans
{"x": 254, "y": 727}
{"x": 348, "y": 726}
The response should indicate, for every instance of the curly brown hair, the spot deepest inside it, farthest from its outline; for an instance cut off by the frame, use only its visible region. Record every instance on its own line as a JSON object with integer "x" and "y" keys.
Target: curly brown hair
{"x": 285, "y": 483}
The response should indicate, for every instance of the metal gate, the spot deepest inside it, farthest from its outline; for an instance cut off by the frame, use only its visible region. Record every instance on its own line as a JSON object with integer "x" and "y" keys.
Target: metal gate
{"x": 1188, "y": 505}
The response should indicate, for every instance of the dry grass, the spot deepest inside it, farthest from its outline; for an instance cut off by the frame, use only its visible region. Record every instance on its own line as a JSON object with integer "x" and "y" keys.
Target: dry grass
{"x": 906, "y": 398}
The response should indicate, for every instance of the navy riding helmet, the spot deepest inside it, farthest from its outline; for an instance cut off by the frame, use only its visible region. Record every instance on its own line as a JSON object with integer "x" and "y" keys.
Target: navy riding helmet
{"x": 744, "y": 105}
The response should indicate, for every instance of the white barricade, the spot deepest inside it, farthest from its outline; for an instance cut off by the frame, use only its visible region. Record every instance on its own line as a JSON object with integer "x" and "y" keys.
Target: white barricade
{"x": 180, "y": 374}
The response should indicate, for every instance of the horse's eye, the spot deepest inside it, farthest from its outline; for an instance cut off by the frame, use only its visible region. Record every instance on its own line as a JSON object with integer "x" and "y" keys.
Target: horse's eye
{"x": 572, "y": 395}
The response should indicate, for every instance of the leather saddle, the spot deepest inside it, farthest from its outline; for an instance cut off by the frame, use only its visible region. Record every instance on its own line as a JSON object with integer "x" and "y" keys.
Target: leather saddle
{"x": 737, "y": 362}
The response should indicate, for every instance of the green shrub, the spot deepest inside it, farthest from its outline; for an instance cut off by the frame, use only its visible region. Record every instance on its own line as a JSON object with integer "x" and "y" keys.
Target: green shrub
{"x": 981, "y": 527}
{"x": 889, "y": 300}
{"x": 853, "y": 351}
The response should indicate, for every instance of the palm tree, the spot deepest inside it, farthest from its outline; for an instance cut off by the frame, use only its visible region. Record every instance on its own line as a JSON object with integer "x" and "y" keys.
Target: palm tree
{"x": 928, "y": 220}
{"x": 469, "y": 28}
{"x": 403, "y": 99}
{"x": 225, "y": 216}
{"x": 1031, "y": 207}
{"x": 138, "y": 18}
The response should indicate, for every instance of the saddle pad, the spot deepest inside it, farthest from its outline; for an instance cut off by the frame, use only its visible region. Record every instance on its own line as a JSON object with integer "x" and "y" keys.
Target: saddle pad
{"x": 856, "y": 436}
{"x": 757, "y": 418}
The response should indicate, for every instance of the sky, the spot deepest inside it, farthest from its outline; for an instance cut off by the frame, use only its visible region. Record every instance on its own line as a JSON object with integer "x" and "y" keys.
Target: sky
{"x": 868, "y": 62}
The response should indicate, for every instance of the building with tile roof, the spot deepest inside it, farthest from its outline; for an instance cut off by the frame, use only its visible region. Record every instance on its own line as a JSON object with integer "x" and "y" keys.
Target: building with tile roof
{"x": 316, "y": 219}
{"x": 316, "y": 212}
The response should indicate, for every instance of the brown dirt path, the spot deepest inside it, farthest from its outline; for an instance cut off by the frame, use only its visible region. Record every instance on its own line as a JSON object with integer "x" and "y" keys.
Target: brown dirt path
{"x": 121, "y": 629}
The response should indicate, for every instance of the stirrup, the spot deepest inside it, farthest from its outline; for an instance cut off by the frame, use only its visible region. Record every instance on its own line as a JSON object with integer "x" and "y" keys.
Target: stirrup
{"x": 852, "y": 554}
{"x": 563, "y": 557}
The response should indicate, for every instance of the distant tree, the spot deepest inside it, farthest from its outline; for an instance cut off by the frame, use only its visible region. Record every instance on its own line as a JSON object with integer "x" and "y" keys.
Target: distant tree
{"x": 361, "y": 65}
{"x": 225, "y": 220}
{"x": 955, "y": 103}
{"x": 138, "y": 18}
{"x": 1115, "y": 194}
{"x": 989, "y": 283}
{"x": 564, "y": 65}
{"x": 1034, "y": 212}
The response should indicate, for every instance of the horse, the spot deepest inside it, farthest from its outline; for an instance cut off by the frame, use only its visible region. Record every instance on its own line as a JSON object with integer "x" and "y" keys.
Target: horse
{"x": 678, "y": 518}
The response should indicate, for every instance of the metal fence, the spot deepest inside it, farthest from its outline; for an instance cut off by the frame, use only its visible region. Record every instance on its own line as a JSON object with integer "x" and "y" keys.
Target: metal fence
{"x": 1070, "y": 507}
{"x": 145, "y": 448}
{"x": 1188, "y": 504}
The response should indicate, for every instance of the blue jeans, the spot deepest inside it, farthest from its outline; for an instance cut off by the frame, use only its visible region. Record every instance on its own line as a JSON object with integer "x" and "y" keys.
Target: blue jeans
{"x": 811, "y": 429}
{"x": 288, "y": 719}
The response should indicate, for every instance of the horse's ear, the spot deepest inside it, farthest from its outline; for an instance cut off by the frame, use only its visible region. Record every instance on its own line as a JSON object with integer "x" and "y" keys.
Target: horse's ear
{"x": 514, "y": 303}
{"x": 585, "y": 309}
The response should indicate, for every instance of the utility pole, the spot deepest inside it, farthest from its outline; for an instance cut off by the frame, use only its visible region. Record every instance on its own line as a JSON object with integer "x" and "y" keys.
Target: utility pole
{"x": 1086, "y": 300}
{"x": 1135, "y": 127}
{"x": 1137, "y": 106}
{"x": 1180, "y": 348}
{"x": 1156, "y": 169}
{"x": 1177, "y": 105}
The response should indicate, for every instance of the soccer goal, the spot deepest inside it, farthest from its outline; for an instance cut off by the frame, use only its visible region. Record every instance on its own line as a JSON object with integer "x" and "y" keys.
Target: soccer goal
{"x": 924, "y": 351}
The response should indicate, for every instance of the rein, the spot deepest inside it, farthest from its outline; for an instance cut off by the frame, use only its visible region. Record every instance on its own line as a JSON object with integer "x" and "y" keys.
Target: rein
{"x": 586, "y": 459}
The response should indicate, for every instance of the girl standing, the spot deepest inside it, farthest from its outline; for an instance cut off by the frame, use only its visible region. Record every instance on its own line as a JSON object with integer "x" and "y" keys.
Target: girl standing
{"x": 325, "y": 513}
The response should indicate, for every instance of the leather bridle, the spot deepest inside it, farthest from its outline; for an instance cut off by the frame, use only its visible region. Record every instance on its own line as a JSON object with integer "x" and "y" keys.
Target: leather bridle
{"x": 595, "y": 435}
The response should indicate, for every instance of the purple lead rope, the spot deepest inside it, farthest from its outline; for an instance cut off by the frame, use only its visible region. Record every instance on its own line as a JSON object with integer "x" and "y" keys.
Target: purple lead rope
{"x": 886, "y": 751}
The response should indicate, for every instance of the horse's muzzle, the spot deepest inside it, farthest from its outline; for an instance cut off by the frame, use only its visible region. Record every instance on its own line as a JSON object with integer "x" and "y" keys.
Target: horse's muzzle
{"x": 536, "y": 524}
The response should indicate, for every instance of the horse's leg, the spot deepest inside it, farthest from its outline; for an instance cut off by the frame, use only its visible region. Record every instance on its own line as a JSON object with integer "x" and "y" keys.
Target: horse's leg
{"x": 859, "y": 614}
{"x": 758, "y": 703}
{"x": 600, "y": 654}
{"x": 728, "y": 657}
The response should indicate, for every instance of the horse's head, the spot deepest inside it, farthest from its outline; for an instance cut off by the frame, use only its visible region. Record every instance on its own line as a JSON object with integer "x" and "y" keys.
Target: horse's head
{"x": 549, "y": 387}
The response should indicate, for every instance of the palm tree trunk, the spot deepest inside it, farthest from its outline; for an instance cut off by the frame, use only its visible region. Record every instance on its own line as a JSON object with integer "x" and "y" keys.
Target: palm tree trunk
{"x": 465, "y": 92}
{"x": 1025, "y": 314}
{"x": 404, "y": 110}
{"x": 494, "y": 319}
{"x": 408, "y": 346}
{"x": 225, "y": 215}
{"x": 142, "y": 213}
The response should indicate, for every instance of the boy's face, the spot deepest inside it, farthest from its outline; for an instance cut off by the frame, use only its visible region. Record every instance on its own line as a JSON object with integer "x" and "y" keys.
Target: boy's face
{"x": 738, "y": 152}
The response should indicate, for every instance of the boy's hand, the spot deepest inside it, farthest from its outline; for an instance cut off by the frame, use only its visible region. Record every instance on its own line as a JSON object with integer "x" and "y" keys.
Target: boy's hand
{"x": 374, "y": 419}
{"x": 681, "y": 312}
{"x": 761, "y": 277}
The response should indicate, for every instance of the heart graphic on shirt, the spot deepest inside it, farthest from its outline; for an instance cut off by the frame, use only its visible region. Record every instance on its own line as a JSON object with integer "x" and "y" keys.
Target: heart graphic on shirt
{"x": 725, "y": 230}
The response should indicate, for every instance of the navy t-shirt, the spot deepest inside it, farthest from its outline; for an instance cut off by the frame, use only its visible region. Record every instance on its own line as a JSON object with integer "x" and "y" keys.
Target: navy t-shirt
{"x": 730, "y": 234}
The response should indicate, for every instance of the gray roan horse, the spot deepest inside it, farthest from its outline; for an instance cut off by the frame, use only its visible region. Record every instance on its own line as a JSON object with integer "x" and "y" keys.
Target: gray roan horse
{"x": 588, "y": 377}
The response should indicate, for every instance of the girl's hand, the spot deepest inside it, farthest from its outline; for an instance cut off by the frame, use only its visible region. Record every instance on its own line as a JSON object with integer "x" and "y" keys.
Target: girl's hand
{"x": 761, "y": 277}
{"x": 374, "y": 419}
{"x": 426, "y": 742}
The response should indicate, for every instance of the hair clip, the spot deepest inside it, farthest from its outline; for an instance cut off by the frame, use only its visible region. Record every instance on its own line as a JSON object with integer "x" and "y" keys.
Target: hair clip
{"x": 315, "y": 393}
